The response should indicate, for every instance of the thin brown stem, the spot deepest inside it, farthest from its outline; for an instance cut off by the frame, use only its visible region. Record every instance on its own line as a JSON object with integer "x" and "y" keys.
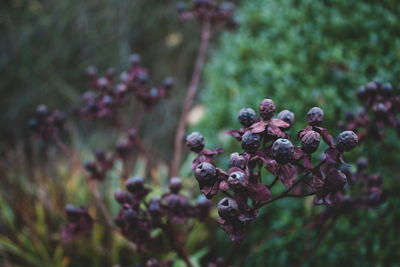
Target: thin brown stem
{"x": 191, "y": 92}
{"x": 273, "y": 182}
{"x": 92, "y": 185}
{"x": 284, "y": 194}
{"x": 301, "y": 195}
{"x": 176, "y": 242}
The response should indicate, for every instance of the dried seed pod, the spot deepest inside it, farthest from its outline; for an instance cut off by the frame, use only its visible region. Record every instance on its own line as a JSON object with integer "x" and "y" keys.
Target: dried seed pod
{"x": 310, "y": 142}
{"x": 237, "y": 160}
{"x": 175, "y": 184}
{"x": 315, "y": 116}
{"x": 267, "y": 109}
{"x": 195, "y": 142}
{"x": 228, "y": 208}
{"x": 134, "y": 184}
{"x": 121, "y": 196}
{"x": 286, "y": 116}
{"x": 335, "y": 181}
{"x": 250, "y": 141}
{"x": 238, "y": 180}
{"x": 205, "y": 173}
{"x": 346, "y": 141}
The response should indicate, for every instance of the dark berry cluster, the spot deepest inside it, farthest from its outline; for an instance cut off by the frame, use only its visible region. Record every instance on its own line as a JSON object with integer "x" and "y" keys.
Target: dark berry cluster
{"x": 45, "y": 122}
{"x": 139, "y": 216}
{"x": 107, "y": 95}
{"x": 100, "y": 166}
{"x": 208, "y": 10}
{"x": 381, "y": 106}
{"x": 267, "y": 145}
{"x": 79, "y": 222}
{"x": 366, "y": 192}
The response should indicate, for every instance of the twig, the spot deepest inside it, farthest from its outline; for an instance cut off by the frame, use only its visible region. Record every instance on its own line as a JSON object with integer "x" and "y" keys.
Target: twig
{"x": 191, "y": 92}
{"x": 301, "y": 195}
{"x": 273, "y": 182}
{"x": 175, "y": 242}
{"x": 284, "y": 194}
{"x": 92, "y": 185}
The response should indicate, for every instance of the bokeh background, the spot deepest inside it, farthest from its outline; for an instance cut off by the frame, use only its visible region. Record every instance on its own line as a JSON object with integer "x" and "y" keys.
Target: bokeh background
{"x": 299, "y": 53}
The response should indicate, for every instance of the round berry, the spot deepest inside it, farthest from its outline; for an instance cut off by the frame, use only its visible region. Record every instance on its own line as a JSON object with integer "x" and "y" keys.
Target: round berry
{"x": 73, "y": 212}
{"x": 42, "y": 111}
{"x": 310, "y": 142}
{"x": 154, "y": 206}
{"x": 380, "y": 111}
{"x": 130, "y": 215}
{"x": 250, "y": 141}
{"x": 237, "y": 160}
{"x": 386, "y": 89}
{"x": 195, "y": 142}
{"x": 134, "y": 60}
{"x": 91, "y": 71}
{"x": 282, "y": 150}
{"x": 349, "y": 115}
{"x": 121, "y": 196}
{"x": 205, "y": 173}
{"x": 335, "y": 181}
{"x": 143, "y": 77}
{"x": 286, "y": 116}
{"x": 267, "y": 109}
{"x": 315, "y": 116}
{"x": 346, "y": 141}
{"x": 361, "y": 93}
{"x": 362, "y": 163}
{"x": 175, "y": 185}
{"x": 238, "y": 180}
{"x": 227, "y": 208}
{"x": 247, "y": 116}
{"x": 371, "y": 88}
{"x": 378, "y": 81}
{"x": 134, "y": 184}
{"x": 168, "y": 83}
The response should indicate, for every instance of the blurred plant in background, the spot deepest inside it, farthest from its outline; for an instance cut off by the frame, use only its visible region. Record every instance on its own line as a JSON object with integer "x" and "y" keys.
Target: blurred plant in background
{"x": 301, "y": 54}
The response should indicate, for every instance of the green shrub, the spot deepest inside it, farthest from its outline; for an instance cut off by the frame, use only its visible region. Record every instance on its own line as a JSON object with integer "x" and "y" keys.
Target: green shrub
{"x": 300, "y": 54}
{"x": 303, "y": 54}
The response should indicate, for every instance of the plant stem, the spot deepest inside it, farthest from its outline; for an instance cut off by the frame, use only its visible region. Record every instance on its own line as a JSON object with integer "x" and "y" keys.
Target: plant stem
{"x": 284, "y": 194}
{"x": 92, "y": 185}
{"x": 191, "y": 92}
{"x": 175, "y": 242}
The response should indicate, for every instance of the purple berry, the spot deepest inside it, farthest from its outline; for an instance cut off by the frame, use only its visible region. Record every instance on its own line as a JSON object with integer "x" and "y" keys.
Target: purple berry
{"x": 282, "y": 150}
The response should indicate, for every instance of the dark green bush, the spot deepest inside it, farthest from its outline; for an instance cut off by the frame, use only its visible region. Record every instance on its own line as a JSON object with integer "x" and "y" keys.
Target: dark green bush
{"x": 300, "y": 54}
{"x": 303, "y": 54}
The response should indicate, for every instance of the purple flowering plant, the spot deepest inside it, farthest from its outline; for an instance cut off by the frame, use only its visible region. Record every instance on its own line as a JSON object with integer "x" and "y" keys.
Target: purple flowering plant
{"x": 266, "y": 144}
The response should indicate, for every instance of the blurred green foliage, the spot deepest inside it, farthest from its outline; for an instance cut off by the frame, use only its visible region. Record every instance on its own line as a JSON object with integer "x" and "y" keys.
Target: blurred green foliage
{"x": 303, "y": 54}
{"x": 46, "y": 47}
{"x": 300, "y": 54}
